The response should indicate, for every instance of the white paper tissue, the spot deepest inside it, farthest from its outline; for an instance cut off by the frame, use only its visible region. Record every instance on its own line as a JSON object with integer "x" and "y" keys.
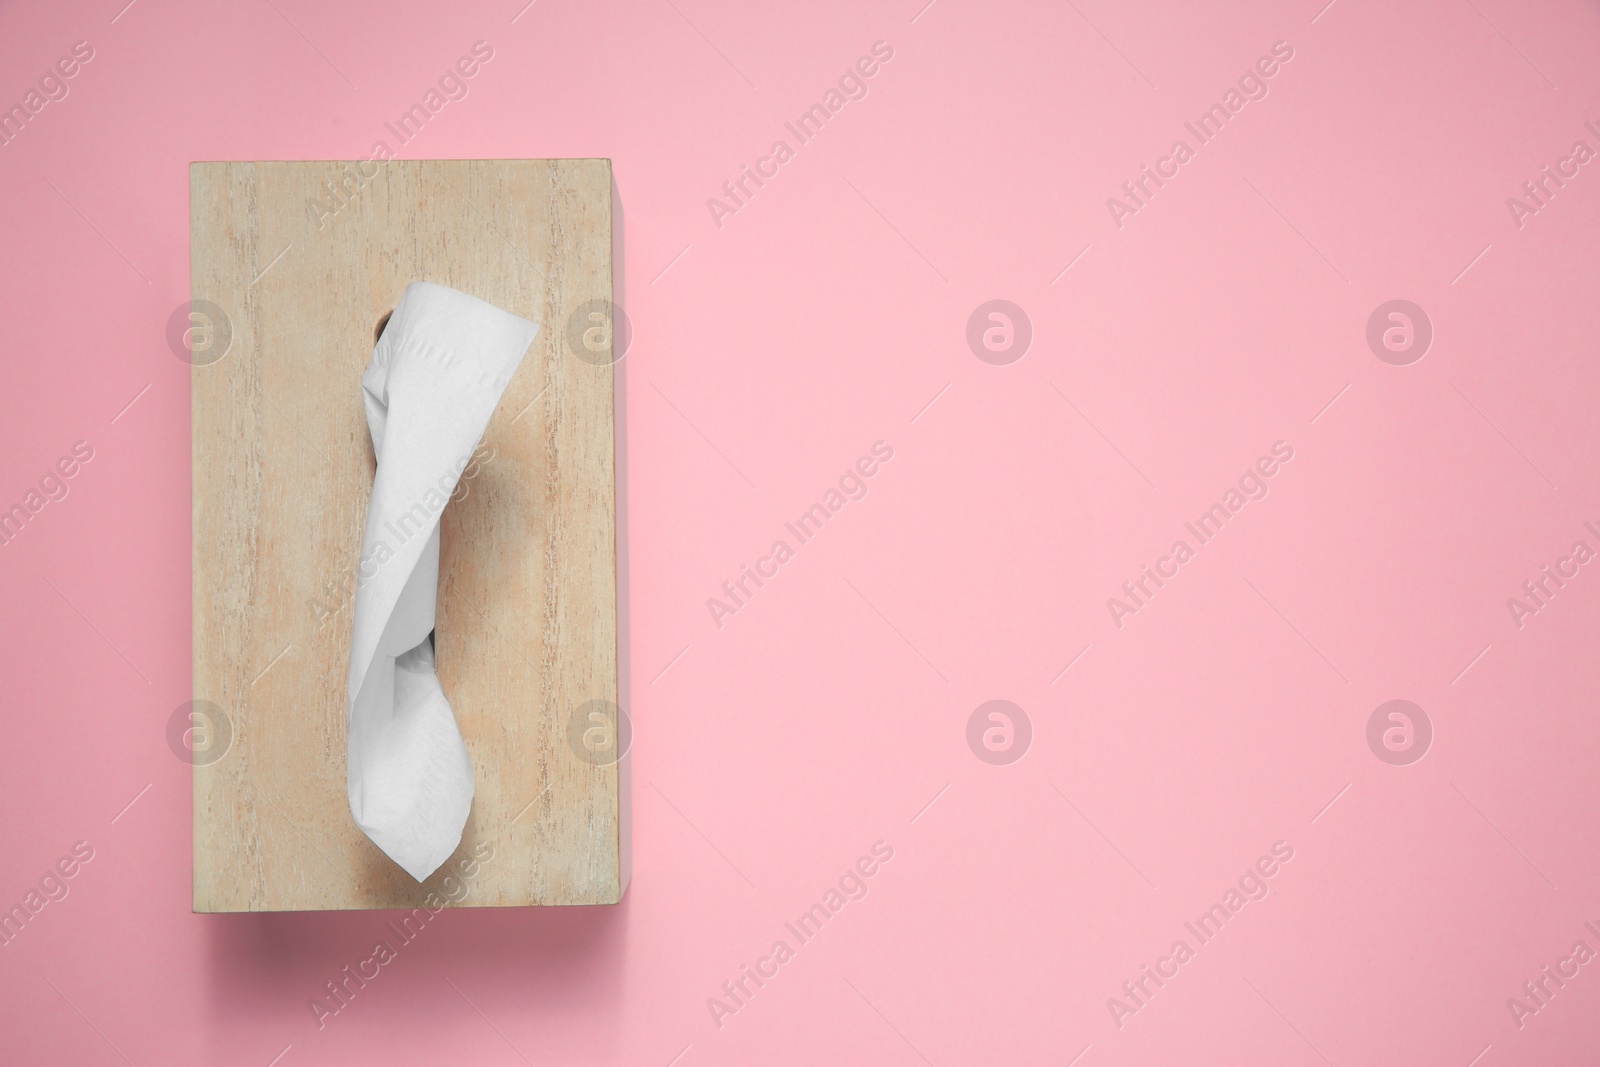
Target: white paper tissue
{"x": 434, "y": 380}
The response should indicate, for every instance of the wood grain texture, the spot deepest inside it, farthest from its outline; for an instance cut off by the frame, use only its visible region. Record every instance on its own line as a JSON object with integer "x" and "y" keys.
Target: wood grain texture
{"x": 282, "y": 469}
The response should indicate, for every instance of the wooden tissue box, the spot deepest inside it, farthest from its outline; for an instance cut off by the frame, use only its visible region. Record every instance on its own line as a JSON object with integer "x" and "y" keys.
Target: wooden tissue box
{"x": 292, "y": 266}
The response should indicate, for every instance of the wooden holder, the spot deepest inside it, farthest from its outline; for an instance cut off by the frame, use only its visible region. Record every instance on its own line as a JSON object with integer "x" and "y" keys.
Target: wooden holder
{"x": 293, "y": 265}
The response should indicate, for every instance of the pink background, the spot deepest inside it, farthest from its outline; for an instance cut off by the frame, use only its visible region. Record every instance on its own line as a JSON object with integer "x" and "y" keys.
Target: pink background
{"x": 771, "y": 352}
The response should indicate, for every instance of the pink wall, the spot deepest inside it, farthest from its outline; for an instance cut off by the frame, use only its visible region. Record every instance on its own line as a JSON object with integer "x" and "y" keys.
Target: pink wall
{"x": 1228, "y": 313}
